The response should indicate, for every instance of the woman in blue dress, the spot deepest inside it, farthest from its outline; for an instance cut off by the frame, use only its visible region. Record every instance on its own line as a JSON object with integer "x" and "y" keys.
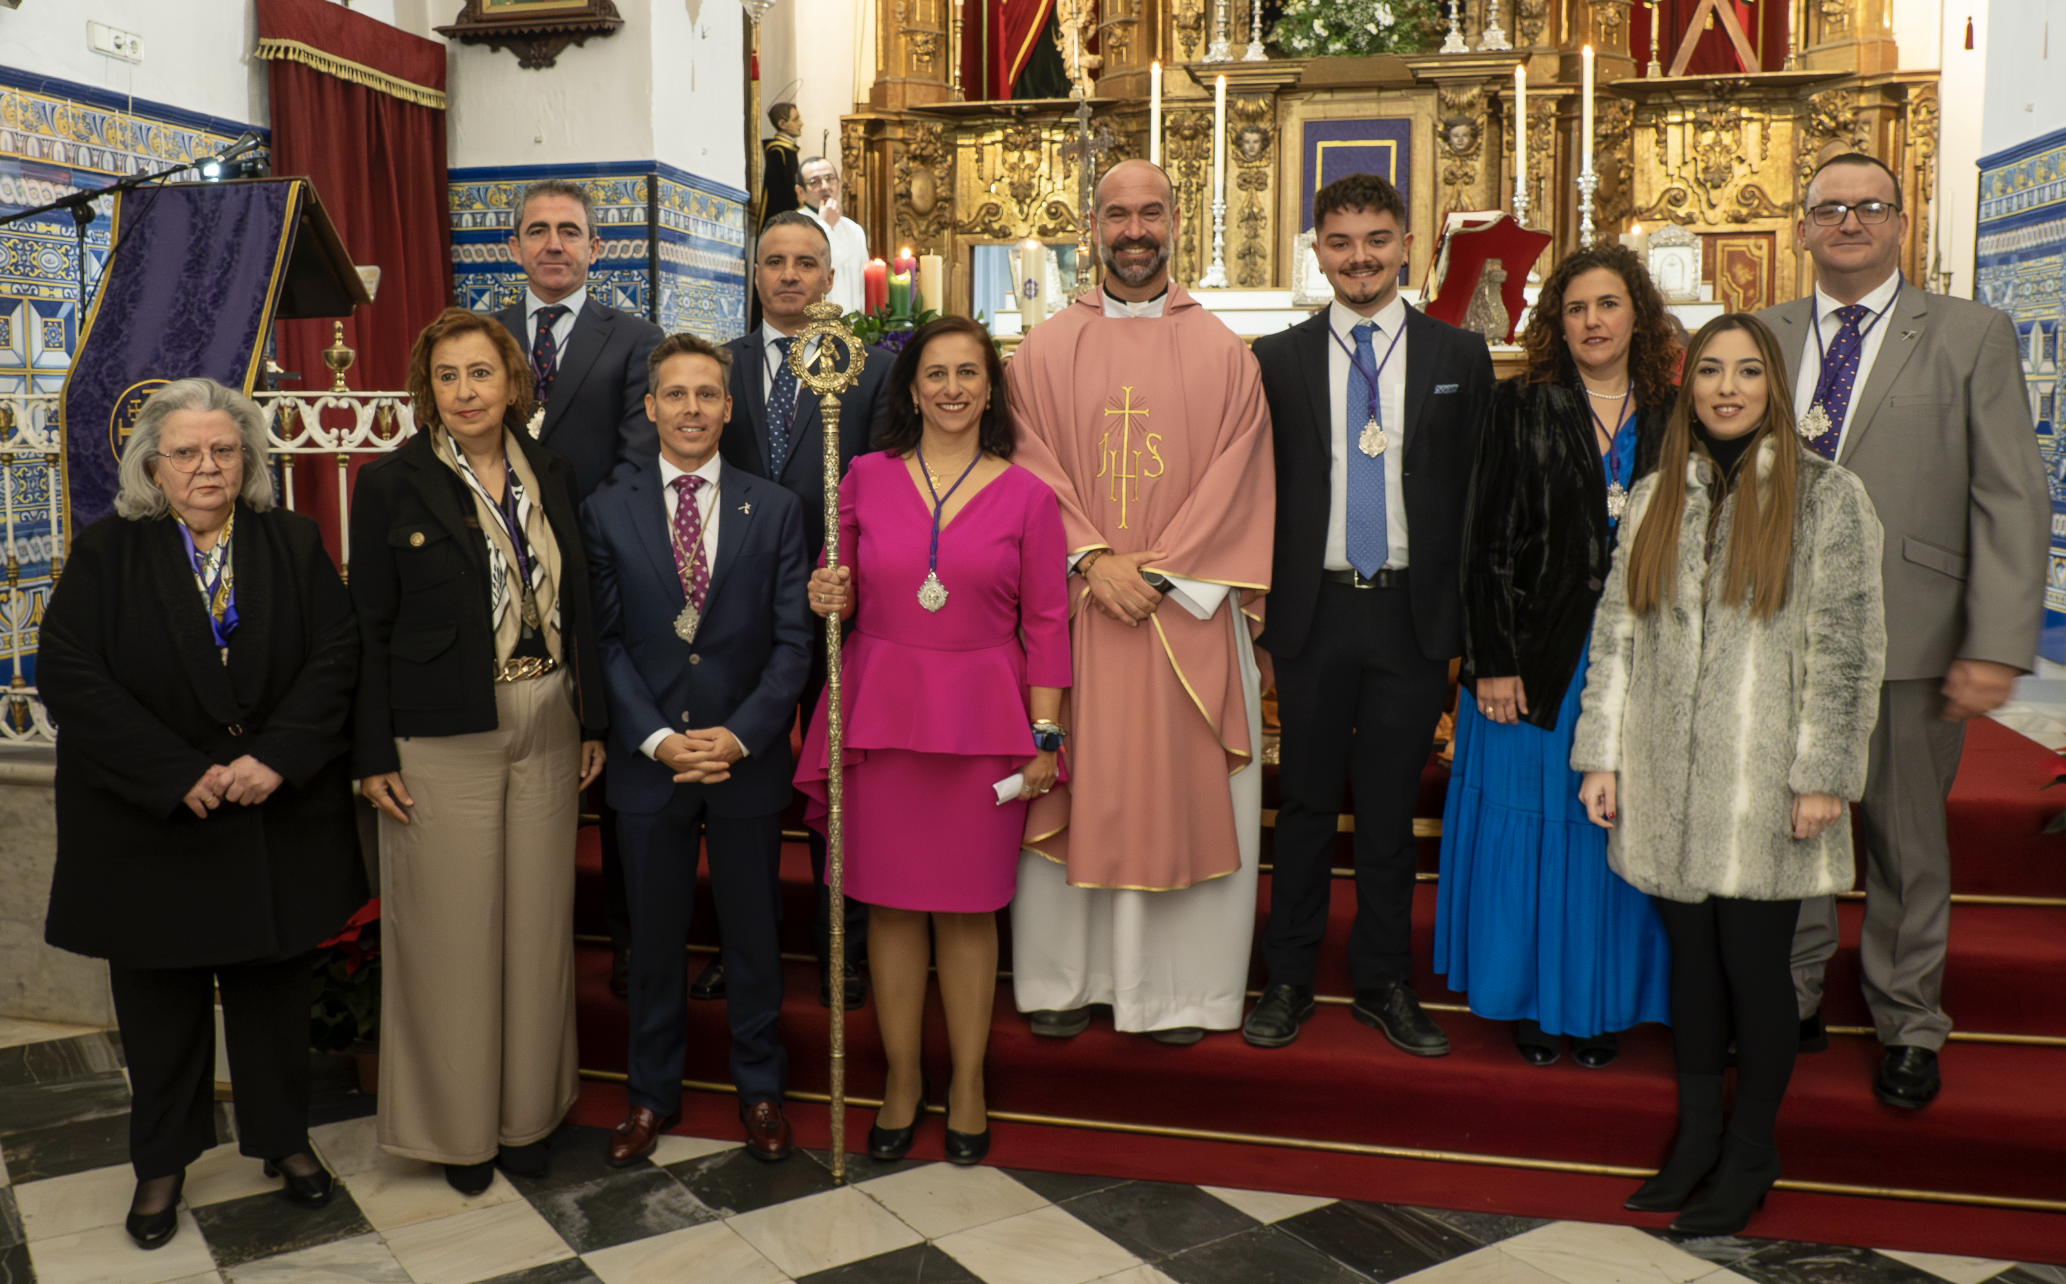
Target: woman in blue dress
{"x": 1530, "y": 922}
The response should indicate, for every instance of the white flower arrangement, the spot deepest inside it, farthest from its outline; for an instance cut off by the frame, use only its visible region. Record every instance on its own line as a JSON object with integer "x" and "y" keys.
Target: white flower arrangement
{"x": 1355, "y": 28}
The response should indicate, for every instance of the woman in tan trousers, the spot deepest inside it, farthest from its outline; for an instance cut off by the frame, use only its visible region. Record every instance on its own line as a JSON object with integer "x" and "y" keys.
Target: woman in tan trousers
{"x": 480, "y": 717}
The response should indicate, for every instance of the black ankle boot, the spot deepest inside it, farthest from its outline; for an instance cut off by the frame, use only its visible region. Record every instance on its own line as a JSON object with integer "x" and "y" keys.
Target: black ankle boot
{"x": 1694, "y": 1155}
{"x": 1741, "y": 1181}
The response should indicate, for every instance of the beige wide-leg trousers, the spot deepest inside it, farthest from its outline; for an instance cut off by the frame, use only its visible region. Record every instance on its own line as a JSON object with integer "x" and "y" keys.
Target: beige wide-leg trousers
{"x": 477, "y": 933}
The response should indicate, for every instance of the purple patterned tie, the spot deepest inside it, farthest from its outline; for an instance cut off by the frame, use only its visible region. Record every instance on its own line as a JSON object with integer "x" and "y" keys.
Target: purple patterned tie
{"x": 545, "y": 353}
{"x": 1839, "y": 378}
{"x": 689, "y": 562}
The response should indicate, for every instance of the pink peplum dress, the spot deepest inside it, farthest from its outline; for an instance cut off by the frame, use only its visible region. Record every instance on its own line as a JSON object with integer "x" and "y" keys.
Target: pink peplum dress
{"x": 936, "y": 702}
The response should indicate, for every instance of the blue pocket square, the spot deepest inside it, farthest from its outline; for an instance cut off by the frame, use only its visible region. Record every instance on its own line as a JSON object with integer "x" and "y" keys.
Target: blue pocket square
{"x": 1441, "y": 388}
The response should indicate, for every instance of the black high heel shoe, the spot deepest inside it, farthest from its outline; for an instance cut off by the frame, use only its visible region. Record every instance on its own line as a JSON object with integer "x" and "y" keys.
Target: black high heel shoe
{"x": 155, "y": 1230}
{"x": 888, "y": 1145}
{"x": 310, "y": 1191}
{"x": 1595, "y": 1052}
{"x": 967, "y": 1148}
{"x": 1741, "y": 1182}
{"x": 1695, "y": 1153}
{"x": 1535, "y": 1047}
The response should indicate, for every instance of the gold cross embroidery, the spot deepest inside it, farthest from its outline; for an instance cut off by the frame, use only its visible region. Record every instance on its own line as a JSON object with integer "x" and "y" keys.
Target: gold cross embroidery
{"x": 1125, "y": 463}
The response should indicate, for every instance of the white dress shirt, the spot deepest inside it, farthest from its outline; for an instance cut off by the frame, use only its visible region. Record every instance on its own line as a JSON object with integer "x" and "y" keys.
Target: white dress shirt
{"x": 706, "y": 505}
{"x": 849, "y": 260}
{"x": 562, "y": 329}
{"x": 1877, "y": 304}
{"x": 1391, "y": 403}
{"x": 771, "y": 359}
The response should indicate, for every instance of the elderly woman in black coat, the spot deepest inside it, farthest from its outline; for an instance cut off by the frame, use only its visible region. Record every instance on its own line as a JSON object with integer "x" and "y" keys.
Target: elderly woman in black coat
{"x": 199, "y": 657}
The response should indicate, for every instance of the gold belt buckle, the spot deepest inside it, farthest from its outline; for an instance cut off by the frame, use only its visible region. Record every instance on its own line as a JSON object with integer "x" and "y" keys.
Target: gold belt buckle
{"x": 522, "y": 668}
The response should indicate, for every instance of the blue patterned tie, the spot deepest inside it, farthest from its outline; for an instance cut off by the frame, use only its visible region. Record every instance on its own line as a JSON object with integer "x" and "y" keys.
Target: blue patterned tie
{"x": 545, "y": 352}
{"x": 1370, "y": 536}
{"x": 781, "y": 409}
{"x": 1839, "y": 378}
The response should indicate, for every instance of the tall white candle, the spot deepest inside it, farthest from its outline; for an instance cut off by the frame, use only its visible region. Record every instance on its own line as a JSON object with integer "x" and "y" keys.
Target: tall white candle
{"x": 1155, "y": 113}
{"x": 1585, "y": 137}
{"x": 1219, "y": 139}
{"x": 1521, "y": 126}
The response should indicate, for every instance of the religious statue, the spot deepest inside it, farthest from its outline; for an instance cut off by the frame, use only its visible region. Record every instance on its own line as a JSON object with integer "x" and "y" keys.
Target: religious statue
{"x": 1076, "y": 20}
{"x": 1486, "y": 314}
{"x": 780, "y": 171}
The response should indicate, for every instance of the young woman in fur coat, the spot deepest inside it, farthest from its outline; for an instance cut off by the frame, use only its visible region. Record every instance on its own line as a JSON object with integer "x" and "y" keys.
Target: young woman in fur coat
{"x": 1736, "y": 662}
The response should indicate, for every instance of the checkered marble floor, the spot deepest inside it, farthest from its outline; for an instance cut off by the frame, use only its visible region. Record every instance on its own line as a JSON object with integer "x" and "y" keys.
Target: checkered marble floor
{"x": 706, "y": 1211}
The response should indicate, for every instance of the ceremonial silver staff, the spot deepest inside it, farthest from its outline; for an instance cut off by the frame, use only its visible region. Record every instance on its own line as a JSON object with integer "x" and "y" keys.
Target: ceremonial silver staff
{"x": 829, "y": 372}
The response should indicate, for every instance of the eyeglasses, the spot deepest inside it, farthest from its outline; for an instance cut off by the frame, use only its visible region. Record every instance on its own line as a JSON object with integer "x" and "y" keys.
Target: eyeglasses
{"x": 187, "y": 459}
{"x": 1870, "y": 213}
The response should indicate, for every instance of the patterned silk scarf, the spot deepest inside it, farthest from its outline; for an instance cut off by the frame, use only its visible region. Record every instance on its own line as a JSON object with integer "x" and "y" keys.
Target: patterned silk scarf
{"x": 215, "y": 579}
{"x": 541, "y": 554}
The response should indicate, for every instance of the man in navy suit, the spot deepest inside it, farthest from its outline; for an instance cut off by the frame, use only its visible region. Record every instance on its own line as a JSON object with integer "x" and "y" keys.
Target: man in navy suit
{"x": 786, "y": 443}
{"x": 698, "y": 581}
{"x": 589, "y": 363}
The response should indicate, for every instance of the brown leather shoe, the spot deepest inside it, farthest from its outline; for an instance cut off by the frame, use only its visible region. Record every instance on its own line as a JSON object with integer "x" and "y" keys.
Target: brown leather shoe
{"x": 767, "y": 1132}
{"x": 637, "y": 1135}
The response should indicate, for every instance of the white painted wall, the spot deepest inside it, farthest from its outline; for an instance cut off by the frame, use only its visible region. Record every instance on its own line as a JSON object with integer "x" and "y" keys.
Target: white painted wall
{"x": 1916, "y": 25}
{"x": 2026, "y": 86}
{"x": 1961, "y": 96}
{"x": 811, "y": 44}
{"x": 699, "y": 87}
{"x": 197, "y": 53}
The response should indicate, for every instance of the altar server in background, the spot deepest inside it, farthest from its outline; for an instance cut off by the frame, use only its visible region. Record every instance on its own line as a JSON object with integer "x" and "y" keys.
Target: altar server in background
{"x": 1735, "y": 669}
{"x": 1146, "y": 416}
{"x": 1921, "y": 396}
{"x": 588, "y": 375}
{"x": 699, "y": 602}
{"x": 1376, "y": 411}
{"x": 818, "y": 188}
{"x": 200, "y": 653}
{"x": 954, "y": 680}
{"x": 780, "y": 434}
{"x": 480, "y": 718}
{"x": 1529, "y": 921}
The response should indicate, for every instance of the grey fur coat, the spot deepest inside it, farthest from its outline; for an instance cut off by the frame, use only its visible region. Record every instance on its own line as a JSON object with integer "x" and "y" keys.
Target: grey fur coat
{"x": 1715, "y": 720}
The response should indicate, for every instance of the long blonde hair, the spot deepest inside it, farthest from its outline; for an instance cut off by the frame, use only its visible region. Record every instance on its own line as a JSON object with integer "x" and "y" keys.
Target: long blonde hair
{"x": 1760, "y": 561}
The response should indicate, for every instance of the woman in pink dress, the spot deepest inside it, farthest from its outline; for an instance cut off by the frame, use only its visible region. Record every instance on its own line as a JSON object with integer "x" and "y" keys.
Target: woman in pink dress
{"x": 954, "y": 573}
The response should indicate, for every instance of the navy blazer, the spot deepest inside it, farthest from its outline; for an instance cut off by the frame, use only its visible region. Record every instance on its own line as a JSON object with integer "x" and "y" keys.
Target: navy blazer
{"x": 752, "y": 653}
{"x": 863, "y": 410}
{"x": 596, "y": 416}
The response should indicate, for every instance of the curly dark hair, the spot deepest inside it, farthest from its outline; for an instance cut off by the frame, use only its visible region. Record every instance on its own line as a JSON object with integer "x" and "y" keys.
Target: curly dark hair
{"x": 905, "y": 424}
{"x": 451, "y": 323}
{"x": 1653, "y": 348}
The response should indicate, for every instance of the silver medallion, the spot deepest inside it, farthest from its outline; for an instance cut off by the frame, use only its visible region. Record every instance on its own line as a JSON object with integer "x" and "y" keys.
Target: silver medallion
{"x": 686, "y": 624}
{"x": 1814, "y": 423}
{"x": 528, "y": 610}
{"x": 1372, "y": 440}
{"x": 1617, "y": 501}
{"x": 932, "y": 595}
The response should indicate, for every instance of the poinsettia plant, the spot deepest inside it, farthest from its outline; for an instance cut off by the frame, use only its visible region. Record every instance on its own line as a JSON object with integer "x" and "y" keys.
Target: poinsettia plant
{"x": 1356, "y": 28}
{"x": 346, "y": 1006}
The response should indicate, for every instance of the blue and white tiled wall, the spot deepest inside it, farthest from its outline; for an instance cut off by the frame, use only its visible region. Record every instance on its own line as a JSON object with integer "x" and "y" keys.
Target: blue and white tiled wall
{"x": 700, "y": 281}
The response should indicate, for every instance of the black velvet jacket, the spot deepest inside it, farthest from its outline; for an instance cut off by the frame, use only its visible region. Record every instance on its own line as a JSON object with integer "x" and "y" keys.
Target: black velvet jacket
{"x": 1537, "y": 543}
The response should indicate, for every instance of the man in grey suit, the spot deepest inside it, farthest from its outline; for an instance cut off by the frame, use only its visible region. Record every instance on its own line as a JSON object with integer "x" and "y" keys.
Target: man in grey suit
{"x": 1921, "y": 395}
{"x": 589, "y": 362}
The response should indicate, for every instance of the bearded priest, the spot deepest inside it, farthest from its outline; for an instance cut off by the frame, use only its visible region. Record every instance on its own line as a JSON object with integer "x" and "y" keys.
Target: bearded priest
{"x": 1146, "y": 414}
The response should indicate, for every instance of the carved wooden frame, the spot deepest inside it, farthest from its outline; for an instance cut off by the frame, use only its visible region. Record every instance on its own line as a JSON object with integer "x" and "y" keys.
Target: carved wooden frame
{"x": 536, "y": 31}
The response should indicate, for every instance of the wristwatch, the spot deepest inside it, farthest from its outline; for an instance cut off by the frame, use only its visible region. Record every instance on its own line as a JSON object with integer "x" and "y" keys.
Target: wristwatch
{"x": 1048, "y": 736}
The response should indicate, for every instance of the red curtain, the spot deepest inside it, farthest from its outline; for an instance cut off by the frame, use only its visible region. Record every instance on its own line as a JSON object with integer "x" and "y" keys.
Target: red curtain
{"x": 348, "y": 112}
{"x": 1004, "y": 30}
{"x": 1764, "y": 22}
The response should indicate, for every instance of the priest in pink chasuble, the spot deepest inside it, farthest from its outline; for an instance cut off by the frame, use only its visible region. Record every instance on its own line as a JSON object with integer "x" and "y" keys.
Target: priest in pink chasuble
{"x": 1146, "y": 414}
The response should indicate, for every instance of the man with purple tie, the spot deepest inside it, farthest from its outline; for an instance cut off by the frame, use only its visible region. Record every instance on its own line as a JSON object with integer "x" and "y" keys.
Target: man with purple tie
{"x": 1922, "y": 397}
{"x": 698, "y": 580}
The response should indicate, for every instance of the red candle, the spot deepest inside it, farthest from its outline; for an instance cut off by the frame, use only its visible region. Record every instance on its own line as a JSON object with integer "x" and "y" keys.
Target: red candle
{"x": 875, "y": 287}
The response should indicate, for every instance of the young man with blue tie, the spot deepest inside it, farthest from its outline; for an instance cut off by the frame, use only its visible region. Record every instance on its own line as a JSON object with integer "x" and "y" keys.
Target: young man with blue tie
{"x": 1377, "y": 411}
{"x": 699, "y": 577}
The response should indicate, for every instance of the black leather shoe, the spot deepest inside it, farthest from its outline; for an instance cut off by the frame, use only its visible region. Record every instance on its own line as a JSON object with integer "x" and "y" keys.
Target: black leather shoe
{"x": 470, "y": 1179}
{"x": 967, "y": 1148}
{"x": 1063, "y": 1024}
{"x": 1535, "y": 1047}
{"x": 1394, "y": 1012}
{"x": 1907, "y": 1077}
{"x": 1178, "y": 1036}
{"x": 710, "y": 982}
{"x": 1278, "y": 1015}
{"x": 533, "y": 1161}
{"x": 887, "y": 1145}
{"x": 1595, "y": 1052}
{"x": 310, "y": 1191}
{"x": 1814, "y": 1035}
{"x": 620, "y": 974}
{"x": 856, "y": 990}
{"x": 155, "y": 1230}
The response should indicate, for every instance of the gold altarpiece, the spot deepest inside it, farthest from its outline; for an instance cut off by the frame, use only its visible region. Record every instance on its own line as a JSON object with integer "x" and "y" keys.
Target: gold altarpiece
{"x": 1723, "y": 156}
